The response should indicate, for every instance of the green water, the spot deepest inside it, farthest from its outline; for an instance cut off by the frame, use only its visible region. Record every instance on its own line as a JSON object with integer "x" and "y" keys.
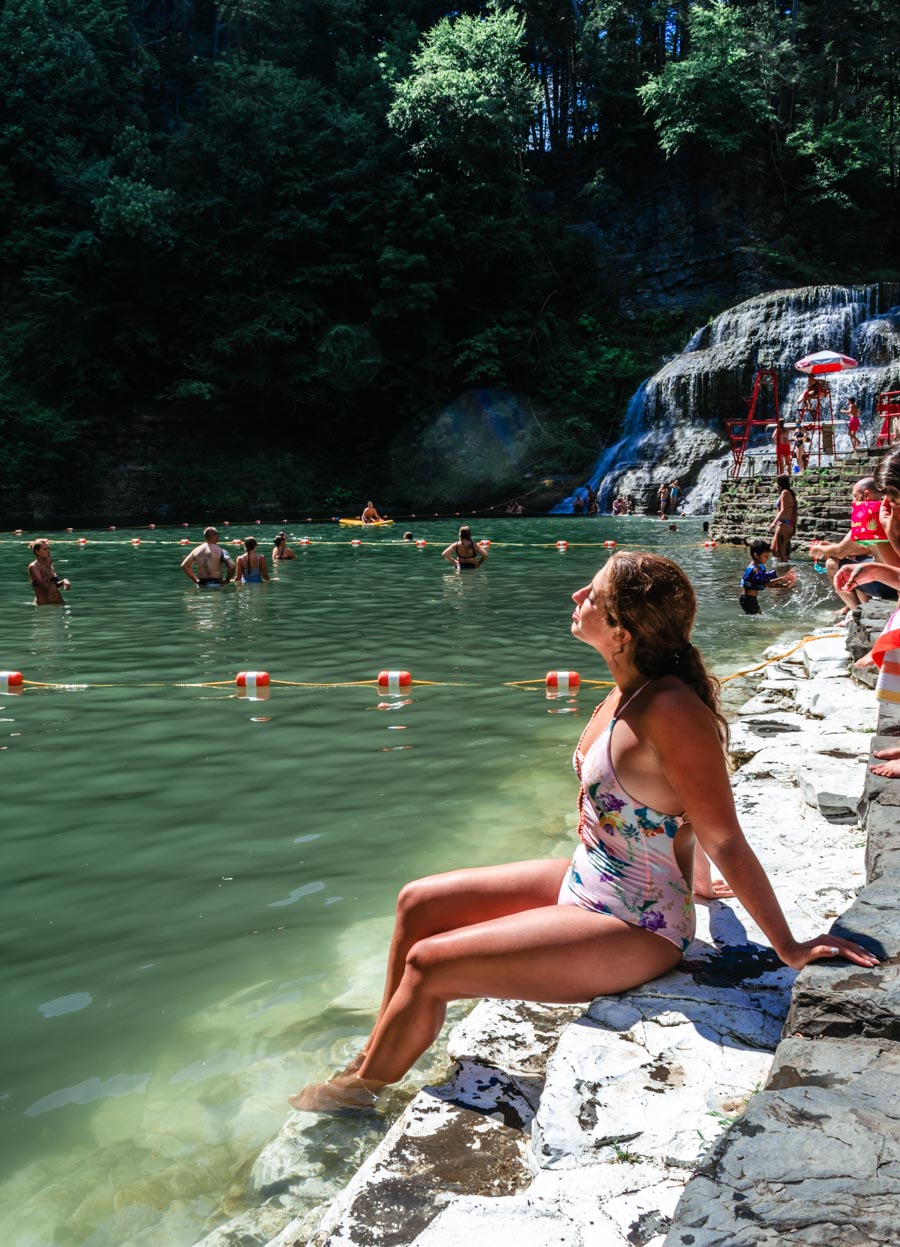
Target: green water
{"x": 198, "y": 887}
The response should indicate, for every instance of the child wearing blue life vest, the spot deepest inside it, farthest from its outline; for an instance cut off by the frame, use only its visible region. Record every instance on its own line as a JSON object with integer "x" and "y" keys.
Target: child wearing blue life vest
{"x": 756, "y": 577}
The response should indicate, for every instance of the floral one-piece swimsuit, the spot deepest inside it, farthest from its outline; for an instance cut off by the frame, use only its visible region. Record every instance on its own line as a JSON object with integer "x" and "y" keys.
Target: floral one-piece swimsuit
{"x": 625, "y": 864}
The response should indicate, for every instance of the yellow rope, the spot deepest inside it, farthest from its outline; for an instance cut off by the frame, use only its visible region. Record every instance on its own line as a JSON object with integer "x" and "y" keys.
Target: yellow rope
{"x": 534, "y": 682}
{"x": 831, "y": 636}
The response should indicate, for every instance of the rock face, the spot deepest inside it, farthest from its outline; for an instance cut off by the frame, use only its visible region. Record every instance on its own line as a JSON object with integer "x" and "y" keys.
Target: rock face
{"x": 583, "y": 1126}
{"x": 674, "y": 423}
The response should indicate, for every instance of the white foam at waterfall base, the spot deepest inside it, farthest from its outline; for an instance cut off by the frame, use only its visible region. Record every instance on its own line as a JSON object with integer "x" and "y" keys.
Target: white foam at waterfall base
{"x": 674, "y": 423}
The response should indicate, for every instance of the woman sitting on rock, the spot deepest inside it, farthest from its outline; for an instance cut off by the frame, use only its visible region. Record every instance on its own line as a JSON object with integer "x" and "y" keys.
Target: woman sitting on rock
{"x": 653, "y": 775}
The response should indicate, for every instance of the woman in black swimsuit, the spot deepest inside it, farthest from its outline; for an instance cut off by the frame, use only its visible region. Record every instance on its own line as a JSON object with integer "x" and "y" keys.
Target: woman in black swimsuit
{"x": 465, "y": 553}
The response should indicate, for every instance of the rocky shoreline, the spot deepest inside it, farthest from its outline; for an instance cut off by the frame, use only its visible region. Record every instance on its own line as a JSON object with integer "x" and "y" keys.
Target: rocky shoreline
{"x": 675, "y": 1113}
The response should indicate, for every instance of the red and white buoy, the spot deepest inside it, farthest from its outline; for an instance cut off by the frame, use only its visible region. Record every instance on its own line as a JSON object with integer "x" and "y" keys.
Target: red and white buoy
{"x": 394, "y": 680}
{"x": 252, "y": 679}
{"x": 562, "y": 545}
{"x": 610, "y": 545}
{"x": 304, "y": 541}
{"x": 563, "y": 681}
{"x": 485, "y": 541}
{"x": 421, "y": 543}
{"x": 709, "y": 545}
{"x": 82, "y": 541}
{"x": 135, "y": 541}
{"x": 184, "y": 541}
{"x": 151, "y": 525}
{"x": 11, "y": 679}
{"x": 356, "y": 542}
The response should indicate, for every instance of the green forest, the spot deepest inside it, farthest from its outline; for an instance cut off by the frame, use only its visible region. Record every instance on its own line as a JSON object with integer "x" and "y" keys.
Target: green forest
{"x": 289, "y": 250}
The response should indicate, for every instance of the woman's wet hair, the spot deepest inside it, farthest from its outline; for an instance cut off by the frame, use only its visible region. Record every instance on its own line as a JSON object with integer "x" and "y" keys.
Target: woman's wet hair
{"x": 249, "y": 544}
{"x": 465, "y": 533}
{"x": 278, "y": 539}
{"x": 652, "y": 598}
{"x": 783, "y": 482}
{"x": 888, "y": 473}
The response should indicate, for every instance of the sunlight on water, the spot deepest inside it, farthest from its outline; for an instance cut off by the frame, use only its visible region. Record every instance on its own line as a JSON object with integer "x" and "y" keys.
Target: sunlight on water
{"x": 198, "y": 886}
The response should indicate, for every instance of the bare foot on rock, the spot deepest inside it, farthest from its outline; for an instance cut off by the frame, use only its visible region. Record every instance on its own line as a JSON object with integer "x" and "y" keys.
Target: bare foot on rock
{"x": 889, "y": 770}
{"x": 866, "y": 661}
{"x": 718, "y": 890}
{"x": 887, "y": 754}
{"x": 341, "y": 1093}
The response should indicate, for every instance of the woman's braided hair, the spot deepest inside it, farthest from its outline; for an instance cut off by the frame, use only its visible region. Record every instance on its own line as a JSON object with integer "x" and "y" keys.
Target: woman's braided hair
{"x": 652, "y": 598}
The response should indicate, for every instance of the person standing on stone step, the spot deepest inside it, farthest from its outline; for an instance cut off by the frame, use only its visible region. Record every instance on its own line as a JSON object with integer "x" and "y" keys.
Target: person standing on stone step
{"x": 784, "y": 525}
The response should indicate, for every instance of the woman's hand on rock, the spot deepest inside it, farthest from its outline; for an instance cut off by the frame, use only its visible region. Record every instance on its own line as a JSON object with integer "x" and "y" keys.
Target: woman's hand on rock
{"x": 821, "y": 947}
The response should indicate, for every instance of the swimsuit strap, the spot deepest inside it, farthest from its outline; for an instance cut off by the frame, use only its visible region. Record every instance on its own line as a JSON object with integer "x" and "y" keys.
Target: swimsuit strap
{"x": 627, "y": 703}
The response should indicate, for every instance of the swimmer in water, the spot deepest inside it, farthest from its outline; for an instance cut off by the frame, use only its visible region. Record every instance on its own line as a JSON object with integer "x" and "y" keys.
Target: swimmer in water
{"x": 756, "y": 577}
{"x": 465, "y": 553}
{"x": 43, "y": 577}
{"x": 251, "y": 567}
{"x": 281, "y": 549}
{"x": 209, "y": 558}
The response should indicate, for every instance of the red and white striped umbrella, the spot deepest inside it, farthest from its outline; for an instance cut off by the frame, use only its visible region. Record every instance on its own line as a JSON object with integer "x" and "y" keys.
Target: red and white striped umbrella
{"x": 824, "y": 361}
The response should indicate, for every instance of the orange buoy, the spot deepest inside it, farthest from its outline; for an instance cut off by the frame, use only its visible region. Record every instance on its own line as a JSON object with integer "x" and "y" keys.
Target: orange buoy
{"x": 610, "y": 545}
{"x": 303, "y": 541}
{"x": 421, "y": 543}
{"x": 17, "y": 532}
{"x": 563, "y": 681}
{"x": 151, "y": 525}
{"x": 135, "y": 541}
{"x": 394, "y": 679}
{"x": 237, "y": 542}
{"x": 82, "y": 541}
{"x": 709, "y": 545}
{"x": 184, "y": 541}
{"x": 225, "y": 523}
{"x": 484, "y": 541}
{"x": 12, "y": 679}
{"x": 356, "y": 542}
{"x": 252, "y": 679}
{"x": 562, "y": 545}
{"x": 257, "y": 521}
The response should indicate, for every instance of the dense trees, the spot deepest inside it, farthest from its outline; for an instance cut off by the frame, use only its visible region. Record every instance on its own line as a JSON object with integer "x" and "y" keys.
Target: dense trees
{"x": 330, "y": 222}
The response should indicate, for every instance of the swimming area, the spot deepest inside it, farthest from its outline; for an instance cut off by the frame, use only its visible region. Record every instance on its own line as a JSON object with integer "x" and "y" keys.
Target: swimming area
{"x": 199, "y": 887}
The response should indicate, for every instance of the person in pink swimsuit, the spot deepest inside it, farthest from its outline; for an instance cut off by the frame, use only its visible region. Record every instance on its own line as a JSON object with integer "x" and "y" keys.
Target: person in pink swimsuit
{"x": 653, "y": 776}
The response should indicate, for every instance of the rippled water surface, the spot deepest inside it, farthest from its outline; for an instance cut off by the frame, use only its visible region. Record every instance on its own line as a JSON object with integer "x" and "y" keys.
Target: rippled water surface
{"x": 198, "y": 887}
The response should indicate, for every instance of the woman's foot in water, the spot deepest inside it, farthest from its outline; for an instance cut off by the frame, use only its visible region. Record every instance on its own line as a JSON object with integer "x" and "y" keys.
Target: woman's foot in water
{"x": 889, "y": 767}
{"x": 344, "y": 1091}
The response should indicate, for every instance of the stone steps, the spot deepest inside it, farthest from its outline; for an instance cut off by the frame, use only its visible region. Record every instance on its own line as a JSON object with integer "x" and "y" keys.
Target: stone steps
{"x": 747, "y": 506}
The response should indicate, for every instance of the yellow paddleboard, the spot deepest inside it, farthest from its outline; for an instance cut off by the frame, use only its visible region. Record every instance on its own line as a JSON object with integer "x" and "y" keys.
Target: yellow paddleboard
{"x": 371, "y": 524}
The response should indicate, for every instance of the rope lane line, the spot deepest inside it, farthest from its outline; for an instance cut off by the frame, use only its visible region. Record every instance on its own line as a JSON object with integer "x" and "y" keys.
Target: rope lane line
{"x": 535, "y": 681}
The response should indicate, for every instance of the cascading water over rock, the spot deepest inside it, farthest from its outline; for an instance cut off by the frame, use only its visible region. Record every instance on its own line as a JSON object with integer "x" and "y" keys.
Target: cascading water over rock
{"x": 674, "y": 425}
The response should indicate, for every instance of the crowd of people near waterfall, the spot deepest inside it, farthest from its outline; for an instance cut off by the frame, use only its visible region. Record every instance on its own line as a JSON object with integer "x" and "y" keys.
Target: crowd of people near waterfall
{"x": 863, "y": 565}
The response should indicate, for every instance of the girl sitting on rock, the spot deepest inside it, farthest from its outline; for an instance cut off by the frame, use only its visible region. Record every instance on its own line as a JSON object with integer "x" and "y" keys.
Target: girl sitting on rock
{"x": 653, "y": 776}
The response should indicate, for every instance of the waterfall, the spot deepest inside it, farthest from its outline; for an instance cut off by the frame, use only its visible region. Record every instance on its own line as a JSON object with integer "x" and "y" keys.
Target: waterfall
{"x": 674, "y": 424}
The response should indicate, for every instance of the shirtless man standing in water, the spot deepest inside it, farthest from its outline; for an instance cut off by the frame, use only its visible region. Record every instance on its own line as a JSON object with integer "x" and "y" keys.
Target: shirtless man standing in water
{"x": 43, "y": 577}
{"x": 209, "y": 558}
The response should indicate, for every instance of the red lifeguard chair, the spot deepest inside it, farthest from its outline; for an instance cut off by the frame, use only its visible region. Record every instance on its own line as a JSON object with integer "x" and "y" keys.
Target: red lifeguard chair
{"x": 888, "y": 407}
{"x": 765, "y": 382}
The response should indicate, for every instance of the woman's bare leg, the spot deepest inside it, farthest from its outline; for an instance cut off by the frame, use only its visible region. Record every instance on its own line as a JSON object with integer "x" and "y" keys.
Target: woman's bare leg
{"x": 459, "y": 898}
{"x": 559, "y": 953}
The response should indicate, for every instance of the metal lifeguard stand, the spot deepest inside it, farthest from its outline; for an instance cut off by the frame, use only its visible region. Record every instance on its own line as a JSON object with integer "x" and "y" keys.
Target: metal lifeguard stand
{"x": 765, "y": 383}
{"x": 888, "y": 407}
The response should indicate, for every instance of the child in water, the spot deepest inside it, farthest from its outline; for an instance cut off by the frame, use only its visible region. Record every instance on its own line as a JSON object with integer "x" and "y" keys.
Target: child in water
{"x": 756, "y": 577}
